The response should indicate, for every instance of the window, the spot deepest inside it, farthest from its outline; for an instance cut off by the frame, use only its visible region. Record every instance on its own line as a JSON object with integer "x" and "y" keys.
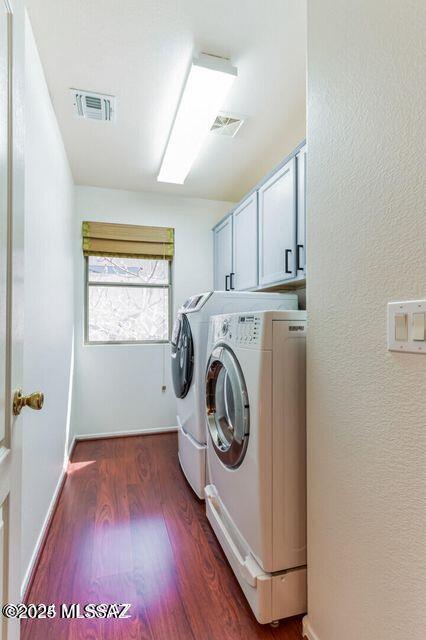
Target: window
{"x": 127, "y": 299}
{"x": 128, "y": 287}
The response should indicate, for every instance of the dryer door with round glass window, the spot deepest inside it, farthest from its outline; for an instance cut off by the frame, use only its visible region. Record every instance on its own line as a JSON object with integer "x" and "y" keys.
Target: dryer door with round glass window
{"x": 182, "y": 354}
{"x": 227, "y": 405}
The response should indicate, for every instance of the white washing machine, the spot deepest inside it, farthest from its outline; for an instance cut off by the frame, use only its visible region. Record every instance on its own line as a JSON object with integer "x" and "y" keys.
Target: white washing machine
{"x": 188, "y": 356}
{"x": 256, "y": 451}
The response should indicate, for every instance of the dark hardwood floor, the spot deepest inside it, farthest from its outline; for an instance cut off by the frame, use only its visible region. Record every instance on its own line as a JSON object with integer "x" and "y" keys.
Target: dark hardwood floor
{"x": 128, "y": 528}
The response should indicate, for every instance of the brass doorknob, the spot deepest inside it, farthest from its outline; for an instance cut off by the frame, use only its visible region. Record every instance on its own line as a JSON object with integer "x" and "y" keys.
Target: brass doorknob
{"x": 34, "y": 401}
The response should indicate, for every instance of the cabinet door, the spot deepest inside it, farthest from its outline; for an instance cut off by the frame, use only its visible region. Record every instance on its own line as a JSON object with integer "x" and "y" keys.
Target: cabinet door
{"x": 301, "y": 212}
{"x": 245, "y": 245}
{"x": 223, "y": 255}
{"x": 277, "y": 226}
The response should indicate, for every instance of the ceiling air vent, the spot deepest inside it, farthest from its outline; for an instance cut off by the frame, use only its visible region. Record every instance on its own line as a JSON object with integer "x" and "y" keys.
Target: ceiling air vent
{"x": 94, "y": 106}
{"x": 226, "y": 124}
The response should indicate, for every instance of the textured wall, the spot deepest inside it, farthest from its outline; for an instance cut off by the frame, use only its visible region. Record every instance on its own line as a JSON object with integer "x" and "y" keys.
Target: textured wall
{"x": 120, "y": 372}
{"x": 367, "y": 246}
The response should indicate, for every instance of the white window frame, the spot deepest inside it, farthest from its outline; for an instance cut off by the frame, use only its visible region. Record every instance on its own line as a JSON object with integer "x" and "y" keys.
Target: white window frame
{"x": 143, "y": 285}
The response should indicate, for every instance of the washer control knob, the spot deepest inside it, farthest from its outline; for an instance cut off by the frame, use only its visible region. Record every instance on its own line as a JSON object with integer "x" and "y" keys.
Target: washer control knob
{"x": 225, "y": 327}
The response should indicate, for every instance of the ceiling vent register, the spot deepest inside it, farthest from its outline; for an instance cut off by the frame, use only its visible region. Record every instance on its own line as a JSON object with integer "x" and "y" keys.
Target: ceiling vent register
{"x": 226, "y": 124}
{"x": 93, "y": 106}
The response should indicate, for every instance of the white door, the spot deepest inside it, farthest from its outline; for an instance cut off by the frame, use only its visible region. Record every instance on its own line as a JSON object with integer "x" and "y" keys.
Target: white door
{"x": 277, "y": 226}
{"x": 11, "y": 300}
{"x": 245, "y": 245}
{"x": 223, "y": 255}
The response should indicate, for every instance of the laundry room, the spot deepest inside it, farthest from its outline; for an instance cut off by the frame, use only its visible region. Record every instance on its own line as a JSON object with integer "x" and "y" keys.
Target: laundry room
{"x": 212, "y": 320}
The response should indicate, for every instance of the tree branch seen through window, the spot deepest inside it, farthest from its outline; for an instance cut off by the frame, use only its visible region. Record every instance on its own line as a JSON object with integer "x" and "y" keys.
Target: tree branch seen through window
{"x": 128, "y": 299}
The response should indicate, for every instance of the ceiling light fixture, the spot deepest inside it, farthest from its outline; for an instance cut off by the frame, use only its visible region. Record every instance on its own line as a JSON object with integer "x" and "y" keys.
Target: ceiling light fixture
{"x": 207, "y": 85}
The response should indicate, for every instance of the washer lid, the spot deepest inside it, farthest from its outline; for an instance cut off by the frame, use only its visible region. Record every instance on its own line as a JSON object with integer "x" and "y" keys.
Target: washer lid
{"x": 227, "y": 406}
{"x": 182, "y": 354}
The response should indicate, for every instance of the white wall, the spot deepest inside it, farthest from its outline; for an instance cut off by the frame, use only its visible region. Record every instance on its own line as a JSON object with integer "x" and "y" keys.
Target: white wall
{"x": 367, "y": 246}
{"x": 49, "y": 305}
{"x": 118, "y": 387}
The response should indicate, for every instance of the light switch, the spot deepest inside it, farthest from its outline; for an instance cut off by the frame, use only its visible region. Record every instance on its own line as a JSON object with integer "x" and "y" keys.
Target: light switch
{"x": 418, "y": 326}
{"x": 407, "y": 326}
{"x": 401, "y": 327}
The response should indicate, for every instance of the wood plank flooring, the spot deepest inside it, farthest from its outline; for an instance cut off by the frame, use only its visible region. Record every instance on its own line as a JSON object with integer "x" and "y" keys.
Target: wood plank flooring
{"x": 128, "y": 528}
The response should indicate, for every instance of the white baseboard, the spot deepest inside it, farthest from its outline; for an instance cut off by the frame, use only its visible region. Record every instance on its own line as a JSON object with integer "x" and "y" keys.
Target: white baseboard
{"x": 43, "y": 531}
{"x": 71, "y": 447}
{"x": 308, "y": 632}
{"x": 118, "y": 434}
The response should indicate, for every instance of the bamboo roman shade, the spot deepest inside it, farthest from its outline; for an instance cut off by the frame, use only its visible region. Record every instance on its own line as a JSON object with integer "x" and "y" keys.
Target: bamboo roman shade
{"x": 128, "y": 240}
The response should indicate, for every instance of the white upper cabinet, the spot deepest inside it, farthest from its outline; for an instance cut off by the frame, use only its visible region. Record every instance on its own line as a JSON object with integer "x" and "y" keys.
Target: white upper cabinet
{"x": 301, "y": 213}
{"x": 262, "y": 242}
{"x": 244, "y": 275}
{"x": 223, "y": 255}
{"x": 277, "y": 226}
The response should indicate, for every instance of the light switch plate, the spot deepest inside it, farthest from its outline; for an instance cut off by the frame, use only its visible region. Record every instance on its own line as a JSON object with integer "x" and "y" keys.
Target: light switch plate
{"x": 401, "y": 314}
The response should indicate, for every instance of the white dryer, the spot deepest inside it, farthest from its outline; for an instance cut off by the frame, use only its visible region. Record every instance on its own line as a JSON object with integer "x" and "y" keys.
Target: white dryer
{"x": 255, "y": 411}
{"x": 188, "y": 357}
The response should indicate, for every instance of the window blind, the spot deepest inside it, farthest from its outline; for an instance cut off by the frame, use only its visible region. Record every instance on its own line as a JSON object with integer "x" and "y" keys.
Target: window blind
{"x": 128, "y": 240}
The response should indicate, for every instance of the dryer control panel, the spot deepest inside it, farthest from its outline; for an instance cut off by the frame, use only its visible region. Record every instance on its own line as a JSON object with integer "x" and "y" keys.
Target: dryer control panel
{"x": 240, "y": 329}
{"x": 254, "y": 330}
{"x": 247, "y": 329}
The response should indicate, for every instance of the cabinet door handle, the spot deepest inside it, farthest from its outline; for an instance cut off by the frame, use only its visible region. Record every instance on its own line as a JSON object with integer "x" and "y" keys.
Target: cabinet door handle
{"x": 231, "y": 281}
{"x": 299, "y": 266}
{"x": 287, "y": 253}
{"x": 227, "y": 278}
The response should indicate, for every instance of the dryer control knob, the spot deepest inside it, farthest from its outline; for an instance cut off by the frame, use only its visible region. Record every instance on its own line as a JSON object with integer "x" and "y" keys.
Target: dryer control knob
{"x": 225, "y": 327}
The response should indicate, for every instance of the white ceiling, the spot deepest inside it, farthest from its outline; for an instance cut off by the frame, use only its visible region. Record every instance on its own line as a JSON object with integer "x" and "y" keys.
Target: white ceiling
{"x": 139, "y": 51}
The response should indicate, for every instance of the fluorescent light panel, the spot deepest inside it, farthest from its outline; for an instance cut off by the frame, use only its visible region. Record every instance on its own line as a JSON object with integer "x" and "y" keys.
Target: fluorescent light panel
{"x": 207, "y": 85}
